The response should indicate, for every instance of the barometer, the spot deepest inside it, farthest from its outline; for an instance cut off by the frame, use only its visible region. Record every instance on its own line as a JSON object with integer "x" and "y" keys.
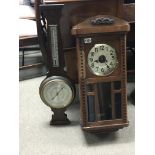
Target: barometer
{"x": 56, "y": 90}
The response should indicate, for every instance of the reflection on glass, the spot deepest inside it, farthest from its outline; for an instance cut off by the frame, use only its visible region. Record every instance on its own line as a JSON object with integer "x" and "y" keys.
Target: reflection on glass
{"x": 104, "y": 98}
{"x": 101, "y": 104}
{"x": 118, "y": 110}
{"x": 117, "y": 85}
{"x": 91, "y": 109}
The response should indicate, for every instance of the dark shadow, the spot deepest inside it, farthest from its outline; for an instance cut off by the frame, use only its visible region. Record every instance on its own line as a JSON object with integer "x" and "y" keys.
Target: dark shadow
{"x": 100, "y": 139}
{"x": 73, "y": 123}
{"x": 131, "y": 98}
{"x": 108, "y": 138}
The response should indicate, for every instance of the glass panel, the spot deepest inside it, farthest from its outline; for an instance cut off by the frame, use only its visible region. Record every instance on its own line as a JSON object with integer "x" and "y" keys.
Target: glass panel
{"x": 90, "y": 88}
{"x": 118, "y": 103}
{"x": 117, "y": 85}
{"x": 91, "y": 109}
{"x": 104, "y": 97}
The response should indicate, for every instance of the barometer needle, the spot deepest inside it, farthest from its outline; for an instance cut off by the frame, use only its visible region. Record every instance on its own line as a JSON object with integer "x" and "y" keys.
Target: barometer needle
{"x": 57, "y": 93}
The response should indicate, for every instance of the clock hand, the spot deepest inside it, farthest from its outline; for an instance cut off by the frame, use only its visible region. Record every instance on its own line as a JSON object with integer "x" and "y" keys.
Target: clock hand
{"x": 107, "y": 66}
{"x": 101, "y": 59}
{"x": 57, "y": 93}
{"x": 97, "y": 61}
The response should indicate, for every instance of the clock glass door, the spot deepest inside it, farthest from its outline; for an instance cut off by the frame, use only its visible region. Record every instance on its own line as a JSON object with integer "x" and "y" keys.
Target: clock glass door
{"x": 104, "y": 101}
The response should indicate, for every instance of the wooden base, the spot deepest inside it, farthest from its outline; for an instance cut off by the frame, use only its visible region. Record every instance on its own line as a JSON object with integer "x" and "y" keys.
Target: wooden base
{"x": 104, "y": 129}
{"x": 59, "y": 117}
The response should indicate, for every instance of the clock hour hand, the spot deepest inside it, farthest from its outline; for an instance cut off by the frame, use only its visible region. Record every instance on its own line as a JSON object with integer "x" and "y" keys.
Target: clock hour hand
{"x": 97, "y": 61}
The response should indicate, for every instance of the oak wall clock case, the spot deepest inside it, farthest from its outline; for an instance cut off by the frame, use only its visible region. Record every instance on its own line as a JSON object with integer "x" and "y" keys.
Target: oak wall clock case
{"x": 101, "y": 54}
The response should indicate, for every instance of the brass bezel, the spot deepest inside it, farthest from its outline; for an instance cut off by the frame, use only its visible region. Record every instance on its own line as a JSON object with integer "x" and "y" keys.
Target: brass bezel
{"x": 58, "y": 79}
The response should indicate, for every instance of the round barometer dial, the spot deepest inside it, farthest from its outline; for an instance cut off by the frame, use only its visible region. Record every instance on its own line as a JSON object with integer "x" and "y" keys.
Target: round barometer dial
{"x": 57, "y": 92}
{"x": 102, "y": 59}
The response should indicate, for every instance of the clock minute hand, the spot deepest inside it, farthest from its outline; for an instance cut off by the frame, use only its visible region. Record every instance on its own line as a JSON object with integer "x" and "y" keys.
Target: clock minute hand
{"x": 107, "y": 66}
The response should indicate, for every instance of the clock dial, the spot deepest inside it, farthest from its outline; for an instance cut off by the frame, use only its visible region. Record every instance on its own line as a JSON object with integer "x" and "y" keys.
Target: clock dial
{"x": 57, "y": 93}
{"x": 102, "y": 59}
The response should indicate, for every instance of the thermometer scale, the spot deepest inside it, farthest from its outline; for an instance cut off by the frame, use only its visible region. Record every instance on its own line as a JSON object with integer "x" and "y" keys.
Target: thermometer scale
{"x": 54, "y": 45}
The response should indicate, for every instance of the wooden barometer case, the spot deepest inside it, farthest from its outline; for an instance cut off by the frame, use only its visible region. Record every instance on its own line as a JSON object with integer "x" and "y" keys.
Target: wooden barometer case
{"x": 101, "y": 54}
{"x": 56, "y": 90}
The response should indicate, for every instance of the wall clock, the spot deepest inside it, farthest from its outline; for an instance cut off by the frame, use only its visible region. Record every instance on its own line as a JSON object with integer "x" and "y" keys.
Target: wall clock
{"x": 101, "y": 53}
{"x": 57, "y": 91}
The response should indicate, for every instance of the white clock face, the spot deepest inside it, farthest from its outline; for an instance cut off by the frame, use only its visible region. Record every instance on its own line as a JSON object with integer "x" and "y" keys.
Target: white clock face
{"x": 57, "y": 94}
{"x": 102, "y": 59}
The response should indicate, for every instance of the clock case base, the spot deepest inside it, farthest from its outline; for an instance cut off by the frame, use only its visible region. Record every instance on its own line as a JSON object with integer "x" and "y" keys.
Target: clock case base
{"x": 105, "y": 128}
